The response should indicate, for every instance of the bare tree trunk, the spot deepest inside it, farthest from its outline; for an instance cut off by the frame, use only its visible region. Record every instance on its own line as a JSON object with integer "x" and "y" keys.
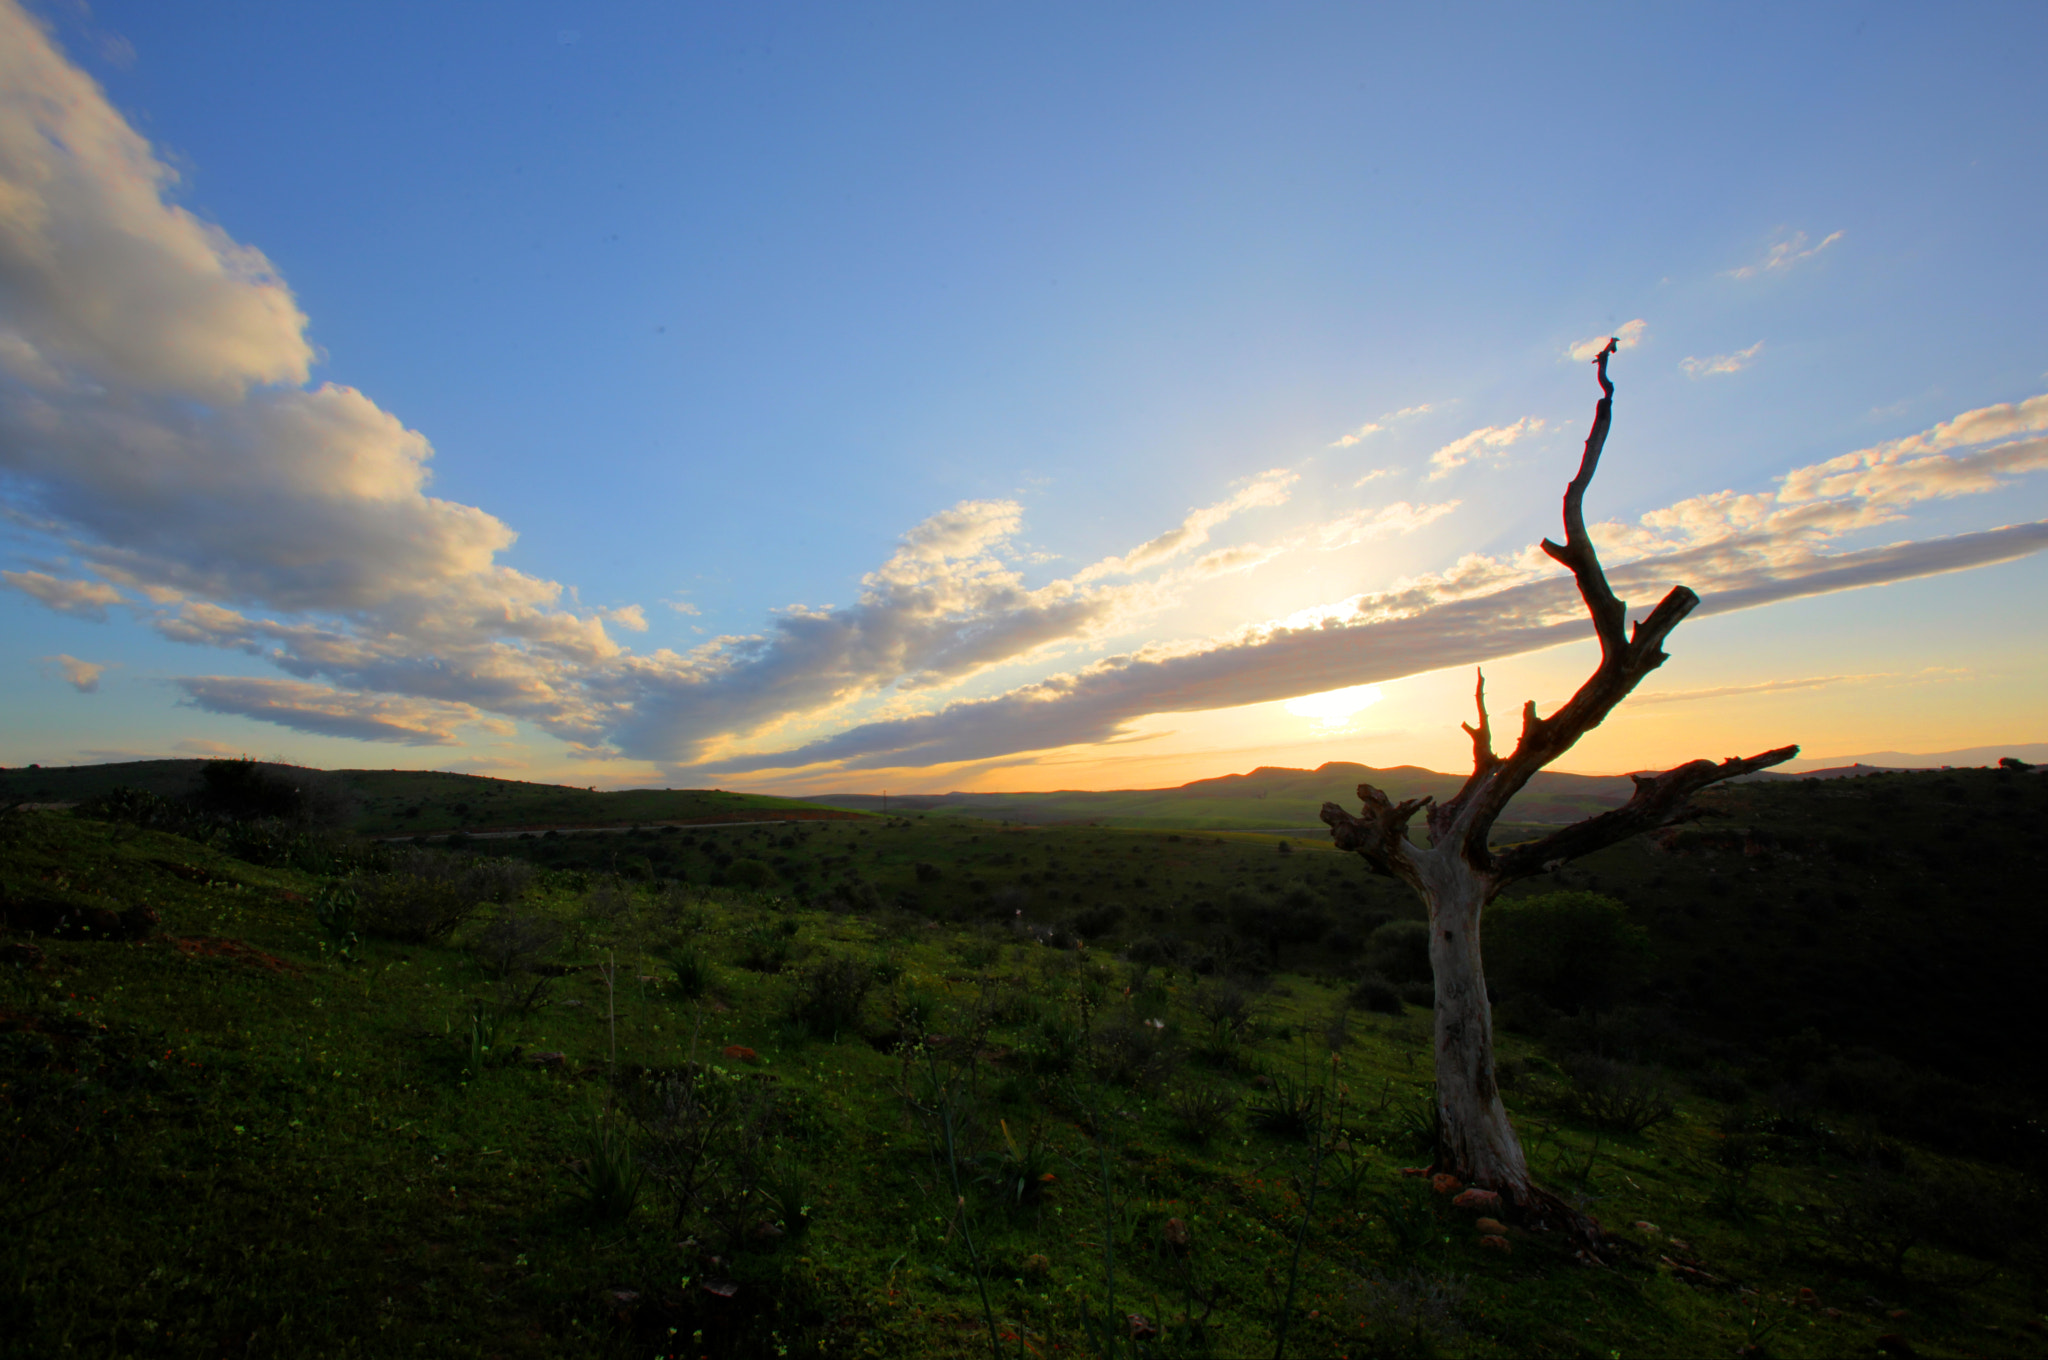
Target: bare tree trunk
{"x": 1478, "y": 1143}
{"x": 1459, "y": 873}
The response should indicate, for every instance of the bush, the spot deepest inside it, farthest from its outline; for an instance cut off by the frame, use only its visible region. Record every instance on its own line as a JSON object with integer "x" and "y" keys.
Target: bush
{"x": 1289, "y": 1108}
{"x": 751, "y": 874}
{"x": 513, "y": 943}
{"x": 1399, "y": 952}
{"x": 1375, "y": 993}
{"x": 243, "y": 791}
{"x": 411, "y": 909}
{"x": 1098, "y": 921}
{"x": 829, "y": 995}
{"x": 1615, "y": 1095}
{"x": 690, "y": 971}
{"x": 1576, "y": 950}
{"x": 1134, "y": 1053}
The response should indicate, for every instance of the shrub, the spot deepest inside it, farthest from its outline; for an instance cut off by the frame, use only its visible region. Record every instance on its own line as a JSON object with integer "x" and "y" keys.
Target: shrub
{"x": 610, "y": 1181}
{"x": 1614, "y": 1095}
{"x": 1133, "y": 1052}
{"x": 244, "y": 791}
{"x": 1421, "y": 994}
{"x": 411, "y": 909}
{"x": 1399, "y": 952}
{"x": 1375, "y": 993}
{"x": 751, "y": 874}
{"x": 512, "y": 942}
{"x": 1098, "y": 921}
{"x": 829, "y": 995}
{"x": 1416, "y": 1313}
{"x": 1575, "y": 950}
{"x": 1053, "y": 1047}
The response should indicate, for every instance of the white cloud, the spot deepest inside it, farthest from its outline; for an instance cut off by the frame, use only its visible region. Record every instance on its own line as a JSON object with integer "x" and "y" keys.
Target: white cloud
{"x": 630, "y": 616}
{"x": 1784, "y": 254}
{"x": 98, "y": 270}
{"x": 1268, "y": 488}
{"x": 88, "y": 599}
{"x": 1487, "y": 442}
{"x": 1720, "y": 363}
{"x": 1372, "y": 476}
{"x": 329, "y": 712}
{"x": 83, "y": 676}
{"x": 1627, "y": 337}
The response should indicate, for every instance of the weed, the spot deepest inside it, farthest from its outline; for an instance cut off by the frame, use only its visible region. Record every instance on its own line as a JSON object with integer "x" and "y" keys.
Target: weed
{"x": 1414, "y": 1314}
{"x": 1290, "y": 1108}
{"x": 610, "y": 1181}
{"x": 1616, "y": 1096}
{"x": 1201, "y": 1112}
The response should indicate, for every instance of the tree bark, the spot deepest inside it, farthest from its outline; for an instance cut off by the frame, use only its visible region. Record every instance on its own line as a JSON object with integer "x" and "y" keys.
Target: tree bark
{"x": 1458, "y": 874}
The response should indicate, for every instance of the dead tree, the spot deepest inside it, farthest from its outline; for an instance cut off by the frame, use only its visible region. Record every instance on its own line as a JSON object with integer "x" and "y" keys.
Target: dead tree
{"x": 1457, "y": 874}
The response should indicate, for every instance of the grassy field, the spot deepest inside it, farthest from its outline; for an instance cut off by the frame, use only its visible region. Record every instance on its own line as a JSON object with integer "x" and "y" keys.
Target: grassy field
{"x": 255, "y": 1133}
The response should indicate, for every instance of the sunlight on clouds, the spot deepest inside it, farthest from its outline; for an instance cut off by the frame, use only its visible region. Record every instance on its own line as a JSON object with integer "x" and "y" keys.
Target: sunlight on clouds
{"x": 1627, "y": 337}
{"x": 1268, "y": 488}
{"x": 1487, "y": 442}
{"x": 1336, "y": 707}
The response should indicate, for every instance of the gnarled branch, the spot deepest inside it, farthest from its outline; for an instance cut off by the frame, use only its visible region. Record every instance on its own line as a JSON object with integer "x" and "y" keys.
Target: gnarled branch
{"x": 1625, "y": 658}
{"x": 1381, "y": 834}
{"x": 1659, "y": 799}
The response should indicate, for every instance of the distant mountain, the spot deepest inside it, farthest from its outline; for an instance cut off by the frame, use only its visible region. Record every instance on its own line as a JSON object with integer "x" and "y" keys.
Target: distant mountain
{"x": 1268, "y": 798}
{"x": 2033, "y": 752}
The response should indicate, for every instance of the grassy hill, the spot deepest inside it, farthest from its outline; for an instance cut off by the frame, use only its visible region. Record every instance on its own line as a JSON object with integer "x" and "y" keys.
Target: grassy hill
{"x": 426, "y": 802}
{"x": 260, "y": 1128}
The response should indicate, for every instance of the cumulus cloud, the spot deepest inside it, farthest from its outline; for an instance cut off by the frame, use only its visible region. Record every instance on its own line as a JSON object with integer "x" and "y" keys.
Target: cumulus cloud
{"x": 98, "y": 270}
{"x": 87, "y": 599}
{"x": 1628, "y": 336}
{"x": 1486, "y": 442}
{"x": 1784, "y": 255}
{"x": 83, "y": 676}
{"x": 1268, "y": 488}
{"x": 329, "y": 712}
{"x": 1720, "y": 363}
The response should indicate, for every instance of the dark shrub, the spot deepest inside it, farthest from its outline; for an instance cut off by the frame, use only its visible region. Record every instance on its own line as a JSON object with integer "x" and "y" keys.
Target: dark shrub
{"x": 1098, "y": 921}
{"x": 1575, "y": 950}
{"x": 1399, "y": 952}
{"x": 829, "y": 995}
{"x": 513, "y": 942}
{"x": 1615, "y": 1095}
{"x": 1133, "y": 1052}
{"x": 1421, "y": 994}
{"x": 244, "y": 791}
{"x": 751, "y": 874}
{"x": 411, "y": 908}
{"x": 1375, "y": 993}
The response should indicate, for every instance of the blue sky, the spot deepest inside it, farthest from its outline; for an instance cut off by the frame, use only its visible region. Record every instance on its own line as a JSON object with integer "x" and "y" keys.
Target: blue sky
{"x": 925, "y": 397}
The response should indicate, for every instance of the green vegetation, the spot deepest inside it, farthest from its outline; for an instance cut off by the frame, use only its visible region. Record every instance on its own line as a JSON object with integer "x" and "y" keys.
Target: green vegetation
{"x": 597, "y": 1094}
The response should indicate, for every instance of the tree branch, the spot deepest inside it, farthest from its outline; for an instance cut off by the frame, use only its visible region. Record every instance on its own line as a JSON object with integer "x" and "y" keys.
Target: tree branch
{"x": 1381, "y": 836}
{"x": 1624, "y": 660}
{"x": 1659, "y": 799}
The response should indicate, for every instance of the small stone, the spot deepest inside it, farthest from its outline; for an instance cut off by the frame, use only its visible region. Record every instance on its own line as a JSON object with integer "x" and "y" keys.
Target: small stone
{"x": 1644, "y": 1225}
{"x": 1475, "y": 1198}
{"x": 1141, "y": 1327}
{"x": 740, "y": 1053}
{"x": 1176, "y": 1236}
{"x": 1444, "y": 1183}
{"x": 1036, "y": 1265}
{"x": 1831, "y": 1312}
{"x": 1492, "y": 1227}
{"x": 1494, "y": 1243}
{"x": 1415, "y": 1171}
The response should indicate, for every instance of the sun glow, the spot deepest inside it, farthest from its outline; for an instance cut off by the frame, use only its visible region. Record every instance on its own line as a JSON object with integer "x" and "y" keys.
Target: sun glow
{"x": 1335, "y": 707}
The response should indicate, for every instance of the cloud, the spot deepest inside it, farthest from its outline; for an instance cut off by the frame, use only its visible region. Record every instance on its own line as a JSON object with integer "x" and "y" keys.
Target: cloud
{"x": 1373, "y": 427}
{"x": 1627, "y": 337}
{"x": 1783, "y": 255}
{"x": 87, "y": 599}
{"x": 329, "y": 712}
{"x": 1372, "y": 476}
{"x": 1680, "y": 696}
{"x": 83, "y": 676}
{"x": 98, "y": 270}
{"x": 630, "y": 616}
{"x": 1720, "y": 363}
{"x": 683, "y": 607}
{"x": 1268, "y": 488}
{"x": 1488, "y": 441}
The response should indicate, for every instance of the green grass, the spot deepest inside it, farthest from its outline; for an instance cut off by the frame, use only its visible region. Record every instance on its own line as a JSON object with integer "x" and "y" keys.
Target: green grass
{"x": 262, "y": 1148}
